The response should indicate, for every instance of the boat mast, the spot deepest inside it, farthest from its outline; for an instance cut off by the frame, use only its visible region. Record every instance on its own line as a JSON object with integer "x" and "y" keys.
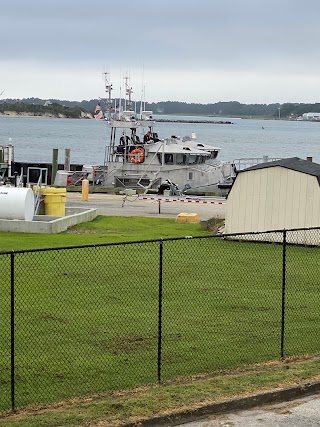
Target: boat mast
{"x": 109, "y": 88}
{"x": 128, "y": 91}
{"x": 120, "y": 102}
{"x": 141, "y": 102}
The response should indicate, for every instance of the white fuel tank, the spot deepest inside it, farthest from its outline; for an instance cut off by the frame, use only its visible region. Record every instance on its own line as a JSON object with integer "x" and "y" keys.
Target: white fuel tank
{"x": 16, "y": 203}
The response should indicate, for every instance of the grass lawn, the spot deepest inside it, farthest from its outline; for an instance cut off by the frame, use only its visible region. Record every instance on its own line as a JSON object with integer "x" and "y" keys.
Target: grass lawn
{"x": 104, "y": 229}
{"x": 86, "y": 320}
{"x": 114, "y": 409}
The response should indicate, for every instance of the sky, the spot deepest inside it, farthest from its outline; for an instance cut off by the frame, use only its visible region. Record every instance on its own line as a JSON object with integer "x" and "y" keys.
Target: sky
{"x": 202, "y": 51}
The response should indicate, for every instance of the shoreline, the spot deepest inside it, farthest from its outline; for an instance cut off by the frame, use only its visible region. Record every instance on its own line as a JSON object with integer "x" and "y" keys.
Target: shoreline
{"x": 90, "y": 116}
{"x": 15, "y": 114}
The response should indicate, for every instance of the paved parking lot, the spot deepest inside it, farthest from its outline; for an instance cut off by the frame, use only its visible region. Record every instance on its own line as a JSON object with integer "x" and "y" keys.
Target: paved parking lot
{"x": 151, "y": 206}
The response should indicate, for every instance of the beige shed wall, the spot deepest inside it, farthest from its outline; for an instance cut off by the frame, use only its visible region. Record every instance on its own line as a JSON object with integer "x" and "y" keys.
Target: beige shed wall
{"x": 271, "y": 199}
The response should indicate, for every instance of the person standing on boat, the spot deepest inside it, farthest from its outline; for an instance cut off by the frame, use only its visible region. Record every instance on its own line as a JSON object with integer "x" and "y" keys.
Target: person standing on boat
{"x": 155, "y": 137}
{"x": 137, "y": 139}
{"x": 124, "y": 139}
{"x": 147, "y": 137}
{"x": 134, "y": 137}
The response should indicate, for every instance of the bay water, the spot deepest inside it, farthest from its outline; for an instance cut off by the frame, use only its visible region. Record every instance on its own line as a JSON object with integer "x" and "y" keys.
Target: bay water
{"x": 34, "y": 138}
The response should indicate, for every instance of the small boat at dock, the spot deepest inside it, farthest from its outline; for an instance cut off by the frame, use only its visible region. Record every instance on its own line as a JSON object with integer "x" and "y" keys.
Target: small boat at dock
{"x": 136, "y": 157}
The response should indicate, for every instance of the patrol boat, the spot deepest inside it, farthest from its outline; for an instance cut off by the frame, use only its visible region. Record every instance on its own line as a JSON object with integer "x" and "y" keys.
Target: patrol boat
{"x": 135, "y": 156}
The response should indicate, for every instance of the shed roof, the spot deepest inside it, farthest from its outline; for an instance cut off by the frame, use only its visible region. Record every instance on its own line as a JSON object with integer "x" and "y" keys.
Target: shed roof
{"x": 293, "y": 163}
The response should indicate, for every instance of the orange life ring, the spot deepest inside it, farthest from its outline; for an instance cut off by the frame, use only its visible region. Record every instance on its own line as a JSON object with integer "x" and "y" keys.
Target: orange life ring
{"x": 137, "y": 155}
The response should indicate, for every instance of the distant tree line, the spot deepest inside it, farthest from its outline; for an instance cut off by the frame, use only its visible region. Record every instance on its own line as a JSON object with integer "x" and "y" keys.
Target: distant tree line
{"x": 53, "y": 108}
{"x": 297, "y": 110}
{"x": 222, "y": 109}
{"x": 232, "y": 108}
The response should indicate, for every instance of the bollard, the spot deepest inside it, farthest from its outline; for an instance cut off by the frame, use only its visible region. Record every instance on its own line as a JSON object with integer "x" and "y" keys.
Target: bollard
{"x": 55, "y": 153}
{"x": 85, "y": 190}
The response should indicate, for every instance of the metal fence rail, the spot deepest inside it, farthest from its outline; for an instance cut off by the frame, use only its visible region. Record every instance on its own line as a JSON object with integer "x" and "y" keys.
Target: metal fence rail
{"x": 82, "y": 320}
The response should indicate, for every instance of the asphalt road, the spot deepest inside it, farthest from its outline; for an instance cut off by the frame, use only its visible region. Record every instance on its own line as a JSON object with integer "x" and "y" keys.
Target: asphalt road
{"x": 169, "y": 207}
{"x": 304, "y": 412}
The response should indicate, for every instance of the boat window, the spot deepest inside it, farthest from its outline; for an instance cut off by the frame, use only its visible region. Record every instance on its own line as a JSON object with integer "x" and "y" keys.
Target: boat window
{"x": 168, "y": 159}
{"x": 190, "y": 175}
{"x": 180, "y": 159}
{"x": 214, "y": 154}
{"x": 203, "y": 159}
{"x": 193, "y": 159}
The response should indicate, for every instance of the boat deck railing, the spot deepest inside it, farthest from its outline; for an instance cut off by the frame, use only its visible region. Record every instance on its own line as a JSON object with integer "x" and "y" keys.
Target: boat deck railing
{"x": 6, "y": 153}
{"x": 247, "y": 162}
{"x": 6, "y": 159}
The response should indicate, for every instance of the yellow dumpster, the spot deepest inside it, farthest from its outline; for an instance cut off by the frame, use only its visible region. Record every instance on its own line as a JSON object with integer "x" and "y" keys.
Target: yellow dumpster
{"x": 54, "y": 201}
{"x": 188, "y": 217}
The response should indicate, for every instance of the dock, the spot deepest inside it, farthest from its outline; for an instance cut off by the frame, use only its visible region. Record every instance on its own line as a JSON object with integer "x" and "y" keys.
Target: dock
{"x": 215, "y": 122}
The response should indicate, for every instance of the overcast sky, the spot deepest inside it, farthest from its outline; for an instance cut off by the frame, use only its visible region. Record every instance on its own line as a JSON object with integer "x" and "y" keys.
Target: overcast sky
{"x": 201, "y": 51}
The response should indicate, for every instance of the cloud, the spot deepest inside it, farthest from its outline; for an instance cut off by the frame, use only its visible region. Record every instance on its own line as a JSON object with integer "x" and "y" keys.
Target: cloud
{"x": 173, "y": 43}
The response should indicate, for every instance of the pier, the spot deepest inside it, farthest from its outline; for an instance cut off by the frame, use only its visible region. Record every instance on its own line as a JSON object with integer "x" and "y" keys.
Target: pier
{"x": 215, "y": 122}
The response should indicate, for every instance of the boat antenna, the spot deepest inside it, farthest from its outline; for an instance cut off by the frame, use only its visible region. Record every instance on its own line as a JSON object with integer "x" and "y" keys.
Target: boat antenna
{"x": 141, "y": 102}
{"x": 125, "y": 78}
{"x": 142, "y": 89}
{"x": 120, "y": 101}
{"x": 108, "y": 87}
{"x": 129, "y": 91}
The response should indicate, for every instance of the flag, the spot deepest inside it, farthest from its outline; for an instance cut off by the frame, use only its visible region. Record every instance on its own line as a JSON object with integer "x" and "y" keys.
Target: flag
{"x": 99, "y": 115}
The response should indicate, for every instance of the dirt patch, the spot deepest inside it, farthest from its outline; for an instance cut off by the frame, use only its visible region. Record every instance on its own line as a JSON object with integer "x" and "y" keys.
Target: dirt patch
{"x": 214, "y": 225}
{"x": 90, "y": 231}
{"x": 127, "y": 344}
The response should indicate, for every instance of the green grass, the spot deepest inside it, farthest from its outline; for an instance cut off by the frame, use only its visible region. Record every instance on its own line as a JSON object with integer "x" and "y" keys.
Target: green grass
{"x": 102, "y": 230}
{"x": 87, "y": 319}
{"x": 113, "y": 409}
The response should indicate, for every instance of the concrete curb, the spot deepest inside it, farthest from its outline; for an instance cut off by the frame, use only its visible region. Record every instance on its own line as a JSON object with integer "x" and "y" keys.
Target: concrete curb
{"x": 227, "y": 406}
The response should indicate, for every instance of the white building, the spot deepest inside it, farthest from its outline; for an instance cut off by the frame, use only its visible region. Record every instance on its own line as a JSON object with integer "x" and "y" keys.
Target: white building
{"x": 311, "y": 116}
{"x": 277, "y": 195}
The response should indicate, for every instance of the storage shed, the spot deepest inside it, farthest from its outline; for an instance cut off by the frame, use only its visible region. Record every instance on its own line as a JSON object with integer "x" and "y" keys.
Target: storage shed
{"x": 282, "y": 194}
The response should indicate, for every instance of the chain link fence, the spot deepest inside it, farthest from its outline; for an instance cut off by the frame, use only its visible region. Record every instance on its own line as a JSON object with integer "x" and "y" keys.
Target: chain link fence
{"x": 84, "y": 320}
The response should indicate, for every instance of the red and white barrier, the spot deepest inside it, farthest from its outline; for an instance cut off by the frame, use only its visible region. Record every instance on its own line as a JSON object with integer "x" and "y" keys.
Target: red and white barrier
{"x": 164, "y": 199}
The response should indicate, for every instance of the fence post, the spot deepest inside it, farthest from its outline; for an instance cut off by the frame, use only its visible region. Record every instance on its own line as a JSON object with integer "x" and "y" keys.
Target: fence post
{"x": 283, "y": 297}
{"x": 12, "y": 346}
{"x": 160, "y": 311}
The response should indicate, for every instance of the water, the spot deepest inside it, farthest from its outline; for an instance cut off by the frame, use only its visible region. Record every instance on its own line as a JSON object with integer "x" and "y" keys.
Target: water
{"x": 34, "y": 138}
